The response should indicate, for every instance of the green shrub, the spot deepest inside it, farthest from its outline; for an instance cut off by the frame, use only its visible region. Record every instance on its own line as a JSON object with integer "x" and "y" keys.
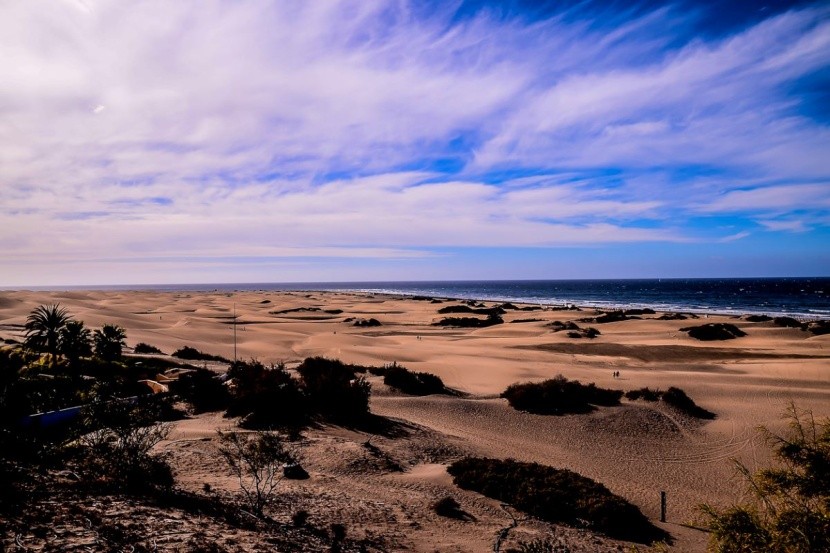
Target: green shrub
{"x": 265, "y": 397}
{"x": 143, "y": 348}
{"x": 333, "y": 389}
{"x": 646, "y": 394}
{"x": 554, "y": 495}
{"x": 678, "y": 399}
{"x": 791, "y": 508}
{"x": 470, "y": 322}
{"x": 714, "y": 331}
{"x": 559, "y": 396}
{"x": 192, "y": 354}
{"x": 203, "y": 389}
{"x": 413, "y": 383}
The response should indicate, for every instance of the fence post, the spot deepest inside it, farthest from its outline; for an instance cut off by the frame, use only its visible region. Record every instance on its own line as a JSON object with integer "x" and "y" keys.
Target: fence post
{"x": 662, "y": 506}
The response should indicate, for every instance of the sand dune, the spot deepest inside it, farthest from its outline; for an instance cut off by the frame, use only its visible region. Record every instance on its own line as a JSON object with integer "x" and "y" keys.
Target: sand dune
{"x": 637, "y": 449}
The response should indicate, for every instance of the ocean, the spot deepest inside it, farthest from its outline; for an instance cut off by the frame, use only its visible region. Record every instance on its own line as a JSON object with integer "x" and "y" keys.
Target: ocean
{"x": 807, "y": 298}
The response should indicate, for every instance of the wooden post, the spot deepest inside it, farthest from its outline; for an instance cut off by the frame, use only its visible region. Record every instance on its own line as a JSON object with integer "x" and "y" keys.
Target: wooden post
{"x": 662, "y": 506}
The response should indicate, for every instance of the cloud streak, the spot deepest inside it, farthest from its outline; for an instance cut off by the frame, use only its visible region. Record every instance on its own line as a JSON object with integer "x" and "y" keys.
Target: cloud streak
{"x": 375, "y": 129}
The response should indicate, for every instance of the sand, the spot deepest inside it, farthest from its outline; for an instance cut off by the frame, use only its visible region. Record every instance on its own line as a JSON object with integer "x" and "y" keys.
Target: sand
{"x": 636, "y": 450}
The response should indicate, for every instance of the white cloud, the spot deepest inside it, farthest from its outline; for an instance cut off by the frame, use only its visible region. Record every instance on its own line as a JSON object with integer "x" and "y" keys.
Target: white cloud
{"x": 266, "y": 129}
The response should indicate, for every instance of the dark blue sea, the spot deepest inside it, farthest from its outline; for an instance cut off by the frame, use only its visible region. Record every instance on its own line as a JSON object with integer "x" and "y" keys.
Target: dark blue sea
{"x": 798, "y": 297}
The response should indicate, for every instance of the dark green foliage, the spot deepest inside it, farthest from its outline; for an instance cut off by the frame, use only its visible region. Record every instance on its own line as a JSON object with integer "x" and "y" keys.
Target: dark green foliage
{"x": 646, "y": 394}
{"x": 645, "y": 311}
{"x": 818, "y": 328}
{"x": 678, "y": 399}
{"x": 450, "y": 508}
{"x": 203, "y": 389}
{"x": 192, "y": 354}
{"x": 758, "y": 318}
{"x": 559, "y": 326}
{"x": 788, "y": 322}
{"x": 143, "y": 348}
{"x": 559, "y": 396}
{"x": 791, "y": 510}
{"x": 110, "y": 341}
{"x": 714, "y": 331}
{"x": 367, "y": 322}
{"x": 673, "y": 317}
{"x": 265, "y": 397}
{"x": 333, "y": 389}
{"x": 470, "y": 322}
{"x": 43, "y": 327}
{"x": 75, "y": 341}
{"x": 467, "y": 309}
{"x": 554, "y": 495}
{"x": 119, "y": 436}
{"x": 413, "y": 383}
{"x": 675, "y": 397}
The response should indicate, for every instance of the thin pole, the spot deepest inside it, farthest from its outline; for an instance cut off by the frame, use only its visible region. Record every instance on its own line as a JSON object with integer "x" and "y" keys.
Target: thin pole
{"x": 662, "y": 506}
{"x": 234, "y": 332}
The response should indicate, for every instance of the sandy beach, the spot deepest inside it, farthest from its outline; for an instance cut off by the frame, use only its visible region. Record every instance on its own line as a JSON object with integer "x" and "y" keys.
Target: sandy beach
{"x": 637, "y": 449}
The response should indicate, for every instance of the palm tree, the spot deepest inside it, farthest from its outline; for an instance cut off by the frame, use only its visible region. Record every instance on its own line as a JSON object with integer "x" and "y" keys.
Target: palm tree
{"x": 109, "y": 342}
{"x": 75, "y": 341}
{"x": 43, "y": 326}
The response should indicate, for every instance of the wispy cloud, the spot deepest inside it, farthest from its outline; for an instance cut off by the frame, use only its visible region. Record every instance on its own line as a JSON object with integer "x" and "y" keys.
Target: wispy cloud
{"x": 379, "y": 129}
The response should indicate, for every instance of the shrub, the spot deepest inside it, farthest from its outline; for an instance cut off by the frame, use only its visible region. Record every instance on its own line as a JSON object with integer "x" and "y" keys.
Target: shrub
{"x": 646, "y": 394}
{"x": 818, "y": 328}
{"x": 788, "y": 322}
{"x": 470, "y": 322}
{"x": 448, "y": 507}
{"x": 300, "y": 518}
{"x": 554, "y": 495}
{"x": 265, "y": 396}
{"x": 203, "y": 389}
{"x": 333, "y": 389}
{"x": 559, "y": 396}
{"x": 141, "y": 347}
{"x": 714, "y": 331}
{"x": 192, "y": 354}
{"x": 467, "y": 309}
{"x": 678, "y": 399}
{"x": 367, "y": 323}
{"x": 256, "y": 460}
{"x": 758, "y": 318}
{"x": 119, "y": 436}
{"x": 791, "y": 508}
{"x": 413, "y": 383}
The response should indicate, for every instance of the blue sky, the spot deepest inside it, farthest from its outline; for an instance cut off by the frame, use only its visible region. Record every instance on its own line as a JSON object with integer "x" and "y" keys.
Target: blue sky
{"x": 256, "y": 141}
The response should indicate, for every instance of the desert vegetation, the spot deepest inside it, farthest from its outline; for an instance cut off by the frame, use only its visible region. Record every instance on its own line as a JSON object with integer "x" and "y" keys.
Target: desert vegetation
{"x": 674, "y": 397}
{"x": 714, "y": 331}
{"x": 413, "y": 383}
{"x": 559, "y": 396}
{"x": 192, "y": 354}
{"x": 470, "y": 322}
{"x": 790, "y": 507}
{"x": 147, "y": 349}
{"x": 554, "y": 495}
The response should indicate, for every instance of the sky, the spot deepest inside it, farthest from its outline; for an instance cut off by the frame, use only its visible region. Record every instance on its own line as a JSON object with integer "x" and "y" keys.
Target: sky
{"x": 233, "y": 141}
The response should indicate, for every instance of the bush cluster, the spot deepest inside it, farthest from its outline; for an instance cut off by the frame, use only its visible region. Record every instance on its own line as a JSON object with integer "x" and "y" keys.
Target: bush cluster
{"x": 334, "y": 390}
{"x": 203, "y": 389}
{"x": 143, "y": 348}
{"x": 559, "y": 396}
{"x": 554, "y": 495}
{"x": 467, "y": 309}
{"x": 413, "y": 383}
{"x": 470, "y": 322}
{"x": 714, "y": 331}
{"x": 675, "y": 397}
{"x": 193, "y": 354}
{"x": 265, "y": 396}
